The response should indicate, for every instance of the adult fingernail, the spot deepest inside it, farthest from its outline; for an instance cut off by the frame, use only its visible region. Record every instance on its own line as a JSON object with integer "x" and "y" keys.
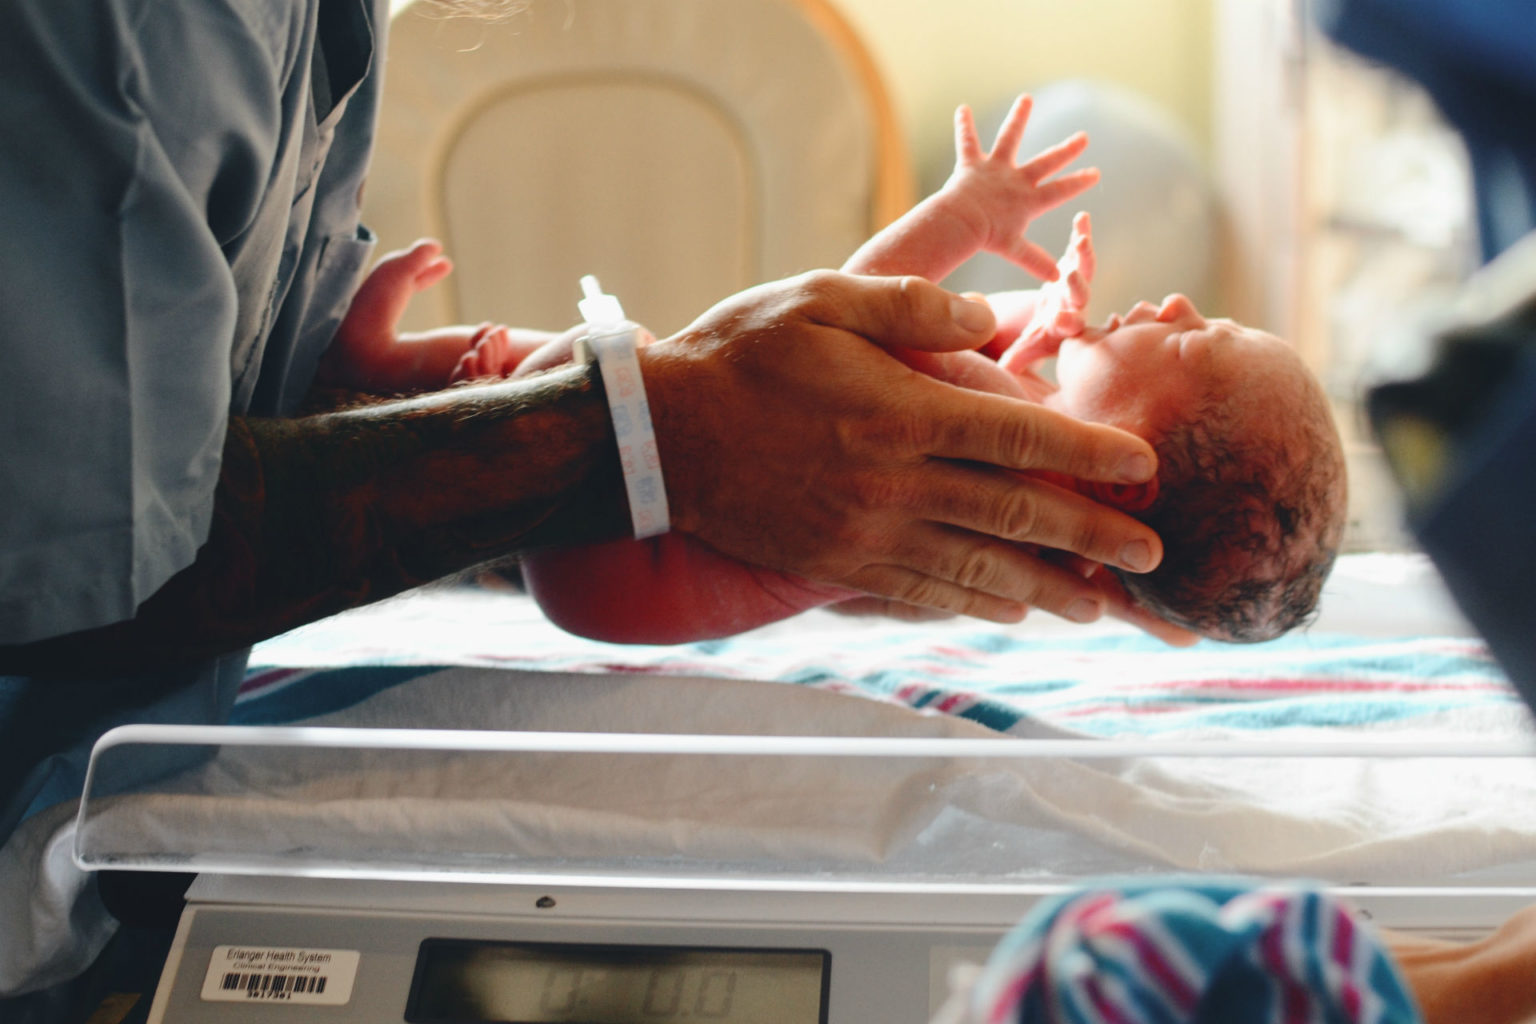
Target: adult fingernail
{"x": 1136, "y": 469}
{"x": 973, "y": 316}
{"x": 1136, "y": 556}
{"x": 1083, "y": 610}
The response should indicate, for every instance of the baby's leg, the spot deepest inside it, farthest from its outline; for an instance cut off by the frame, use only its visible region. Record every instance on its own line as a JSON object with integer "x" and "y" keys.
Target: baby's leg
{"x": 667, "y": 590}
{"x": 368, "y": 329}
{"x": 368, "y": 354}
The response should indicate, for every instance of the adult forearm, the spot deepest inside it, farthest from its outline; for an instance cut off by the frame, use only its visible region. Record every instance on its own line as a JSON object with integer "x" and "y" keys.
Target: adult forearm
{"x": 322, "y": 513}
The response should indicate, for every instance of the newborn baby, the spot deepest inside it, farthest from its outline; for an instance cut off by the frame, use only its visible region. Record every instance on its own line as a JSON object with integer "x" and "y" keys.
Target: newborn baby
{"x": 1249, "y": 496}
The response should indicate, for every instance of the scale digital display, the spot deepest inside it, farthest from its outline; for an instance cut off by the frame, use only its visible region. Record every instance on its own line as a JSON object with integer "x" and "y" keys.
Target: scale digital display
{"x": 460, "y": 981}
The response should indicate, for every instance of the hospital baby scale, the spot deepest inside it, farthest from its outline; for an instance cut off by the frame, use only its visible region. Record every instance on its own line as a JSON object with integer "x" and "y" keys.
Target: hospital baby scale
{"x": 367, "y": 874}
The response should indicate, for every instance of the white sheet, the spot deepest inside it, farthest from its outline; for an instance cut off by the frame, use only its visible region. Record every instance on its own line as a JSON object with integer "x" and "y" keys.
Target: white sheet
{"x": 1396, "y": 821}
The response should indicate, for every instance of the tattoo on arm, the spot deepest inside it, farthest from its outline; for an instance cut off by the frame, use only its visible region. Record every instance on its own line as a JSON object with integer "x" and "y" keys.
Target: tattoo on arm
{"x": 323, "y": 513}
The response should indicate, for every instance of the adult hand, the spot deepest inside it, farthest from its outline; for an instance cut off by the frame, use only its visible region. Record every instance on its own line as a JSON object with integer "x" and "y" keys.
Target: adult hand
{"x": 1488, "y": 980}
{"x": 791, "y": 439}
{"x": 1121, "y": 605}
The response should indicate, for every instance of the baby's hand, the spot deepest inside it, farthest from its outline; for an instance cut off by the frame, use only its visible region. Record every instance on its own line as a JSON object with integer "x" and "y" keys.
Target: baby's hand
{"x": 1000, "y": 198}
{"x": 1061, "y": 306}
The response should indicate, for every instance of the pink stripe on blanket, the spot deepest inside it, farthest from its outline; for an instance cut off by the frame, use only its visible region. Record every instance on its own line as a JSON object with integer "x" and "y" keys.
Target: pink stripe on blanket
{"x": 269, "y": 679}
{"x": 1124, "y": 709}
{"x": 1314, "y": 683}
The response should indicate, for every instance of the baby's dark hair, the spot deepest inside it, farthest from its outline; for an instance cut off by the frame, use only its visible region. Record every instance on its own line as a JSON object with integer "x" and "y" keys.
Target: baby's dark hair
{"x": 1250, "y": 531}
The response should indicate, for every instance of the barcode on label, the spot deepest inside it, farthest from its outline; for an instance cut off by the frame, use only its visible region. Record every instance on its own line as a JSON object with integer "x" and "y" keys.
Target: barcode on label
{"x": 280, "y": 975}
{"x": 272, "y": 986}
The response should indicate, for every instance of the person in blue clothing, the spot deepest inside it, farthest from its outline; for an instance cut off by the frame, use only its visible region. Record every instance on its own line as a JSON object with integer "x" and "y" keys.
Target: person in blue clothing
{"x": 179, "y": 193}
{"x": 1215, "y": 950}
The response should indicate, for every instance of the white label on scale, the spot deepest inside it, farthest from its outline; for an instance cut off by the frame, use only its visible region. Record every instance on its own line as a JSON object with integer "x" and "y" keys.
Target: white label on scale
{"x": 264, "y": 974}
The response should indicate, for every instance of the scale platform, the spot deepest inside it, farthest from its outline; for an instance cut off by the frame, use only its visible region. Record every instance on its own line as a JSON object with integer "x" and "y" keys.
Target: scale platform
{"x": 441, "y": 876}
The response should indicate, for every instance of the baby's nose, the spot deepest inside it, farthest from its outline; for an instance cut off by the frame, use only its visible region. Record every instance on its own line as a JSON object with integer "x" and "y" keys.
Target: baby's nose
{"x": 1177, "y": 307}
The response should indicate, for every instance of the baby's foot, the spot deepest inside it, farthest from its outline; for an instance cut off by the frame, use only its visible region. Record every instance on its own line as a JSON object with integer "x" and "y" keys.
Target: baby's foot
{"x": 490, "y": 355}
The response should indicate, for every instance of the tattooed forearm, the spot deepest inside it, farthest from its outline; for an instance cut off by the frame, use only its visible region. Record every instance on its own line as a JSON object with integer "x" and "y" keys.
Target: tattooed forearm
{"x": 323, "y": 513}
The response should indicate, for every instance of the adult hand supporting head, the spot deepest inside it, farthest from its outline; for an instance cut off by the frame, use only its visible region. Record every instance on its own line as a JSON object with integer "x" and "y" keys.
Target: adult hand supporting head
{"x": 791, "y": 439}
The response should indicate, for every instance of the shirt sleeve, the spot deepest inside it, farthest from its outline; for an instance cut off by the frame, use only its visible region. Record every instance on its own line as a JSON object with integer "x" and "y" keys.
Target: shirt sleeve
{"x": 117, "y": 304}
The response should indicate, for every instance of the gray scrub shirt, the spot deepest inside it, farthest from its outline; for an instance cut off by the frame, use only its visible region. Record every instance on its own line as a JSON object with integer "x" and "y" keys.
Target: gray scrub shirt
{"x": 179, "y": 236}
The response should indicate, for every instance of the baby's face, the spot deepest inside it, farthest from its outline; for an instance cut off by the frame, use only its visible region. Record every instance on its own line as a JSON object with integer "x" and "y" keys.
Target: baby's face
{"x": 1143, "y": 372}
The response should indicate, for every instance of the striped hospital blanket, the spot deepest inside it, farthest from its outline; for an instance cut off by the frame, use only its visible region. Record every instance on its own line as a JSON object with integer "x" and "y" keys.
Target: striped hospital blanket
{"x": 1105, "y": 680}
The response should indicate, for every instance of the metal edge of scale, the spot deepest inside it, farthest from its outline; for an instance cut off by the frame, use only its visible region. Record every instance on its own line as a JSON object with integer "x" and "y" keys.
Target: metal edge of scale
{"x": 1438, "y": 909}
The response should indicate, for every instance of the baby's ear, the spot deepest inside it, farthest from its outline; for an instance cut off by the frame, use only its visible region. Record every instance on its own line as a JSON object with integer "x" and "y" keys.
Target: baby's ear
{"x": 1125, "y": 497}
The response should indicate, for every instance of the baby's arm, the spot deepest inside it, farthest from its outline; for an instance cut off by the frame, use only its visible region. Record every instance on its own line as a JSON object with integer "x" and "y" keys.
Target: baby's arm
{"x": 985, "y": 206}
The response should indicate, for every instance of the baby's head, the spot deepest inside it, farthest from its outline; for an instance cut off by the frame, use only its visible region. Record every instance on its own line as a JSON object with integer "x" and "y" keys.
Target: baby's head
{"x": 1250, "y": 493}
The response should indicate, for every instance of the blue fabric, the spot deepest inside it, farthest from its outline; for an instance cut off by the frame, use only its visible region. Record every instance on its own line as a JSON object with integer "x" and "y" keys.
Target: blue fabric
{"x": 179, "y": 236}
{"x": 1477, "y": 58}
{"x": 1191, "y": 951}
{"x": 179, "y": 226}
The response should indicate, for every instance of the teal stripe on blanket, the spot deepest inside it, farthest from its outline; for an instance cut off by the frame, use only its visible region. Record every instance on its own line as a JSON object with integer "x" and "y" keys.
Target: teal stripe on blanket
{"x": 291, "y": 695}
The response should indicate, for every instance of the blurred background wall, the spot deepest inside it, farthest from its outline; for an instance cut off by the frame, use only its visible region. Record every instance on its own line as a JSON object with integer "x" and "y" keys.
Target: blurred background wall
{"x": 937, "y": 54}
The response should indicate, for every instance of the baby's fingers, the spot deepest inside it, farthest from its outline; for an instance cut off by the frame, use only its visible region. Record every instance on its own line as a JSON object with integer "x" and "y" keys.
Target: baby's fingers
{"x": 967, "y": 144}
{"x": 1057, "y": 191}
{"x": 1077, "y": 291}
{"x": 1034, "y": 344}
{"x": 1012, "y": 131}
{"x": 1034, "y": 259}
{"x": 1048, "y": 162}
{"x": 1068, "y": 324}
{"x": 1080, "y": 248}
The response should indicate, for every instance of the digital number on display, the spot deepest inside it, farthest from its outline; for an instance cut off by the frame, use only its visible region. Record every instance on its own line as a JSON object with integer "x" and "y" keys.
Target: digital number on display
{"x": 462, "y": 981}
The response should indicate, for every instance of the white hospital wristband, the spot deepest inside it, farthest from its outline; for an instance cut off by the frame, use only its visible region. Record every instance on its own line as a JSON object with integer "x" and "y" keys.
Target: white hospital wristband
{"x": 610, "y": 342}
